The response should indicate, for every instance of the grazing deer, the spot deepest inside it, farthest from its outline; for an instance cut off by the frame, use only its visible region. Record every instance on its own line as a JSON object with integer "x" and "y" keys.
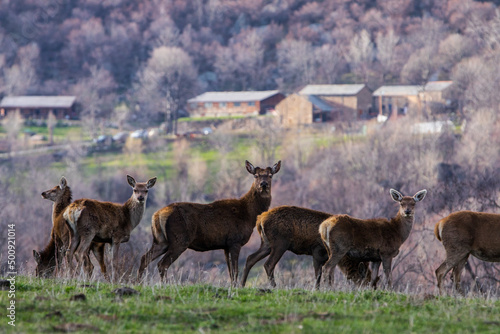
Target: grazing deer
{"x": 465, "y": 233}
{"x": 92, "y": 220}
{"x": 296, "y": 229}
{"x": 50, "y": 257}
{"x": 225, "y": 224}
{"x": 375, "y": 240}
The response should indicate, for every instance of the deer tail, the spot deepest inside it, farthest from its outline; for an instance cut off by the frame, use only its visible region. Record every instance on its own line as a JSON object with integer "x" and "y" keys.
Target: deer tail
{"x": 438, "y": 230}
{"x": 260, "y": 229}
{"x": 71, "y": 216}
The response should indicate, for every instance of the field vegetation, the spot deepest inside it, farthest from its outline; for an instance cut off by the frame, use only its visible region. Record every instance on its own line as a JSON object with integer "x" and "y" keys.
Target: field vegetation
{"x": 46, "y": 305}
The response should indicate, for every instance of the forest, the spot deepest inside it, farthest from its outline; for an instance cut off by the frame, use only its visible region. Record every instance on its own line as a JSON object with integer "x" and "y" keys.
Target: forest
{"x": 139, "y": 61}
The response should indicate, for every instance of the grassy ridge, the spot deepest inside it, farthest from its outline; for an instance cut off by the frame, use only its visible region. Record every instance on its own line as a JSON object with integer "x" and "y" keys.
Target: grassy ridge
{"x": 46, "y": 306}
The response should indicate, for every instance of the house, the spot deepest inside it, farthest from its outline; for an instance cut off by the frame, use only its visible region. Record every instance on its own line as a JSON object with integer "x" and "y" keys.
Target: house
{"x": 399, "y": 98}
{"x": 404, "y": 98}
{"x": 39, "y": 107}
{"x": 244, "y": 103}
{"x": 324, "y": 103}
{"x": 434, "y": 98}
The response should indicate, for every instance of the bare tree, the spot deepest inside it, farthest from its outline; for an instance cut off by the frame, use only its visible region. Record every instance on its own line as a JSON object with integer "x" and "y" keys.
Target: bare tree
{"x": 361, "y": 54}
{"x": 95, "y": 94}
{"x": 386, "y": 45}
{"x": 165, "y": 84}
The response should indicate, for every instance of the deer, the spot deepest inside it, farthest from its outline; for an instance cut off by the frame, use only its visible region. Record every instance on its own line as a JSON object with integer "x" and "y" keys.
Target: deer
{"x": 296, "y": 229}
{"x": 92, "y": 220}
{"x": 465, "y": 233}
{"x": 224, "y": 224}
{"x": 51, "y": 257}
{"x": 375, "y": 240}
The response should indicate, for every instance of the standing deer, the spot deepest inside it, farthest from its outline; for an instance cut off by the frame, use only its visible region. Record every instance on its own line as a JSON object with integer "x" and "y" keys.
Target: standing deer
{"x": 296, "y": 229}
{"x": 376, "y": 240}
{"x": 465, "y": 233}
{"x": 92, "y": 220}
{"x": 225, "y": 224}
{"x": 50, "y": 257}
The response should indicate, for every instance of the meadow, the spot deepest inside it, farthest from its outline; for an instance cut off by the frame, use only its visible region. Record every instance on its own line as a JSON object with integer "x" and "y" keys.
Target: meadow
{"x": 59, "y": 305}
{"x": 332, "y": 171}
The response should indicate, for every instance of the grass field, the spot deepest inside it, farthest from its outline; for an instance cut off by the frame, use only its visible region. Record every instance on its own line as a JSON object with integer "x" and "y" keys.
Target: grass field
{"x": 45, "y": 306}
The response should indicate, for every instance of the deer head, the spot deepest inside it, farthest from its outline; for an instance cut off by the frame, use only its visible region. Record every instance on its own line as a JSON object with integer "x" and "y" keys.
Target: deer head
{"x": 140, "y": 188}
{"x": 407, "y": 203}
{"x": 45, "y": 265}
{"x": 263, "y": 176}
{"x": 57, "y": 192}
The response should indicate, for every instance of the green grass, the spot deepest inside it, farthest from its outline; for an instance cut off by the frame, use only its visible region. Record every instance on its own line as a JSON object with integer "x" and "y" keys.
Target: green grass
{"x": 44, "y": 306}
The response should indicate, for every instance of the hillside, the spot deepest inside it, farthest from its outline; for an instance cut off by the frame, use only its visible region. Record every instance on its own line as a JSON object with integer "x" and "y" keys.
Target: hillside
{"x": 138, "y": 53}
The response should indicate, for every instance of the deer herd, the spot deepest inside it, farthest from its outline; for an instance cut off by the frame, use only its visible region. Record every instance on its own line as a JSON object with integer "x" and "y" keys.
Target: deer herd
{"x": 357, "y": 246}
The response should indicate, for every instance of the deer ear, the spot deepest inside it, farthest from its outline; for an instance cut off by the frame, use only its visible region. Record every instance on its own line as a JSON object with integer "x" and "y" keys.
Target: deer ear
{"x": 276, "y": 167}
{"x": 36, "y": 255}
{"x": 250, "y": 167}
{"x": 131, "y": 181}
{"x": 420, "y": 195}
{"x": 63, "y": 183}
{"x": 396, "y": 195}
{"x": 151, "y": 182}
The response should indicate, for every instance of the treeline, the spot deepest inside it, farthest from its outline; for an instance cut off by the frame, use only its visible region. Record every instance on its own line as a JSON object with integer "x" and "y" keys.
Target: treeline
{"x": 141, "y": 60}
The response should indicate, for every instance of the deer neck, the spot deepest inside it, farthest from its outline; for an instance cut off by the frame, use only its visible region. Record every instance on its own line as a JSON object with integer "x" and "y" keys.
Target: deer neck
{"x": 256, "y": 202}
{"x": 60, "y": 205}
{"x": 404, "y": 224}
{"x": 49, "y": 251}
{"x": 135, "y": 211}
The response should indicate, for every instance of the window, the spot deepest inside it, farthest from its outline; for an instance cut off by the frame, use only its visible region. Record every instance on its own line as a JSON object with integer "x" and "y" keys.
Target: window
{"x": 208, "y": 104}
{"x": 222, "y": 104}
{"x": 237, "y": 104}
{"x": 251, "y": 103}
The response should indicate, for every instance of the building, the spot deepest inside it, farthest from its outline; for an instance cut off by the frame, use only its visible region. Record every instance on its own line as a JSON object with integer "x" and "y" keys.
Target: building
{"x": 245, "y": 103}
{"x": 405, "y": 98}
{"x": 325, "y": 103}
{"x": 399, "y": 98}
{"x": 433, "y": 97}
{"x": 39, "y": 107}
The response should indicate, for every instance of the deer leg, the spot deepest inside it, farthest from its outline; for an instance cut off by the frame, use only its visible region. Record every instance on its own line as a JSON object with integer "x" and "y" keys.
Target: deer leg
{"x": 98, "y": 250}
{"x": 74, "y": 243}
{"x": 330, "y": 265}
{"x": 83, "y": 251}
{"x": 115, "y": 247}
{"x": 252, "y": 259}
{"x": 450, "y": 262}
{"x": 272, "y": 260}
{"x": 387, "y": 265}
{"x": 151, "y": 255}
{"x": 234, "y": 255}
{"x": 375, "y": 266}
{"x": 457, "y": 271}
{"x": 170, "y": 256}
{"x": 87, "y": 265}
{"x": 319, "y": 260}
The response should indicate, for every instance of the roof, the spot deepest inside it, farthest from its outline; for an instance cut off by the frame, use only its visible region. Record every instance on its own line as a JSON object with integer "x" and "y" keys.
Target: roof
{"x": 332, "y": 89}
{"x": 397, "y": 91}
{"x": 247, "y": 96}
{"x": 437, "y": 85}
{"x": 37, "y": 101}
{"x": 319, "y": 103}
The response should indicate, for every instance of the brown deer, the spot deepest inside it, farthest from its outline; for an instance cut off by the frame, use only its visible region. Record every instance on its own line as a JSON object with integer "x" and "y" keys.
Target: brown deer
{"x": 375, "y": 240}
{"x": 465, "y": 233}
{"x": 224, "y": 224}
{"x": 92, "y": 220}
{"x": 296, "y": 229}
{"x": 51, "y": 257}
